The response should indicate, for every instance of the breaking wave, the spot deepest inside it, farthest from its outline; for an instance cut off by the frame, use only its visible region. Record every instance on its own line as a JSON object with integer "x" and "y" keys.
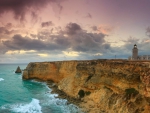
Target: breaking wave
{"x": 1, "y": 79}
{"x": 32, "y": 107}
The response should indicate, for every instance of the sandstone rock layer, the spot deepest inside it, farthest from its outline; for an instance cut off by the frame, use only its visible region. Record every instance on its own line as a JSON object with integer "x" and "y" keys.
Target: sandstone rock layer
{"x": 105, "y": 86}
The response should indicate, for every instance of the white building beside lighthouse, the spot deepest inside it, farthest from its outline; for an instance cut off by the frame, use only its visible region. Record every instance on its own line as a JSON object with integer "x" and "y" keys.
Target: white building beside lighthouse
{"x": 135, "y": 55}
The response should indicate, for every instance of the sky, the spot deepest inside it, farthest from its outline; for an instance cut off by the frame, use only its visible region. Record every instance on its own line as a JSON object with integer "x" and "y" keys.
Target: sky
{"x": 54, "y": 30}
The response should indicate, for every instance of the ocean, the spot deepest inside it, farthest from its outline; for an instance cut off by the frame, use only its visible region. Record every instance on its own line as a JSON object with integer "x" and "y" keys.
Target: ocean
{"x": 28, "y": 96}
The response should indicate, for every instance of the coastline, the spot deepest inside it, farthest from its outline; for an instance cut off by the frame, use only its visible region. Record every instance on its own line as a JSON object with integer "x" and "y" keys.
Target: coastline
{"x": 62, "y": 94}
{"x": 97, "y": 85}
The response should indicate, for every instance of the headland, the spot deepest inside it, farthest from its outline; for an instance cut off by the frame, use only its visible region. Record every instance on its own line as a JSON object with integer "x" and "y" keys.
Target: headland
{"x": 98, "y": 86}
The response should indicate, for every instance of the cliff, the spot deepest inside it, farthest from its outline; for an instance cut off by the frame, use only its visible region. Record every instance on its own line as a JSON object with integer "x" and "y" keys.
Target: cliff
{"x": 104, "y": 86}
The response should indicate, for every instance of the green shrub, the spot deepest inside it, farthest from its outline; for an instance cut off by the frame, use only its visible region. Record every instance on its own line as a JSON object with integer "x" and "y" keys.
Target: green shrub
{"x": 81, "y": 93}
{"x": 87, "y": 92}
{"x": 131, "y": 91}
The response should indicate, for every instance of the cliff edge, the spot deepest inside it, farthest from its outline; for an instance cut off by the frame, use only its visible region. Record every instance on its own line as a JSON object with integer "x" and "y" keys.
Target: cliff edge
{"x": 104, "y": 86}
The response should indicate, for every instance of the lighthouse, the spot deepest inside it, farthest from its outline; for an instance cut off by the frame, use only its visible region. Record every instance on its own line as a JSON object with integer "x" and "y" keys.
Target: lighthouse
{"x": 135, "y": 52}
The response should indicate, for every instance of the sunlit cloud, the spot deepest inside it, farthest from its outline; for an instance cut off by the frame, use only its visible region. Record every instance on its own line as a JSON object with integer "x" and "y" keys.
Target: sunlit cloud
{"x": 105, "y": 29}
{"x": 20, "y": 51}
{"x": 147, "y": 41}
{"x": 98, "y": 54}
{"x": 71, "y": 53}
{"x": 43, "y": 55}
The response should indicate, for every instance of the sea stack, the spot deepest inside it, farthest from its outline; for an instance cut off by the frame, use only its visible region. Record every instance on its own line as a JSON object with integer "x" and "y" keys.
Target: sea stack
{"x": 18, "y": 70}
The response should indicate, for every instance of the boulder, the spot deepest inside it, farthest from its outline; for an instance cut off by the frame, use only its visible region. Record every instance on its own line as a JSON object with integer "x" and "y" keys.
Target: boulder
{"x": 18, "y": 70}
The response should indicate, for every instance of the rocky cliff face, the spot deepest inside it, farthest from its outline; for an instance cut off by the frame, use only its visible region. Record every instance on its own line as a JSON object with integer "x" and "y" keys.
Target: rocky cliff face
{"x": 105, "y": 86}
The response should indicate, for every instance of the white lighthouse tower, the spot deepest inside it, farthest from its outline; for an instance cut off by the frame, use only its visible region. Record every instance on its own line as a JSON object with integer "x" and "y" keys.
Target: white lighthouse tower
{"x": 135, "y": 52}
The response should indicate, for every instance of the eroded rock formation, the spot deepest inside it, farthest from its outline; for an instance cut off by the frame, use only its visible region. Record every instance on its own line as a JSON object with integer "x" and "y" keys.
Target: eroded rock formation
{"x": 105, "y": 86}
{"x": 18, "y": 70}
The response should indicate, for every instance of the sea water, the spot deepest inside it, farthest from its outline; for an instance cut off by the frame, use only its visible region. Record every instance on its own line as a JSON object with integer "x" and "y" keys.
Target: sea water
{"x": 28, "y": 96}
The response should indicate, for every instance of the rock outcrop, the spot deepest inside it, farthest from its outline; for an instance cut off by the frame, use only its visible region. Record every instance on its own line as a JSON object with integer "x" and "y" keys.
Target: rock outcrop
{"x": 104, "y": 86}
{"x": 18, "y": 70}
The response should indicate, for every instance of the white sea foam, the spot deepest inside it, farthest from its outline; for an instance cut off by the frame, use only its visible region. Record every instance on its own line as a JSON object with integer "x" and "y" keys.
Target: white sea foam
{"x": 1, "y": 79}
{"x": 34, "y": 81}
{"x": 32, "y": 107}
{"x": 62, "y": 103}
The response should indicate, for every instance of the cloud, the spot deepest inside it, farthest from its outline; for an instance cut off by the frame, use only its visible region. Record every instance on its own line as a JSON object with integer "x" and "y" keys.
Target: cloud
{"x": 148, "y": 31}
{"x": 44, "y": 34}
{"x": 3, "y": 30}
{"x": 57, "y": 7}
{"x": 33, "y": 35}
{"x": 82, "y": 41}
{"x": 19, "y": 52}
{"x": 105, "y": 29}
{"x": 72, "y": 28}
{"x": 3, "y": 48}
{"x": 142, "y": 45}
{"x": 23, "y": 43}
{"x": 72, "y": 53}
{"x": 9, "y": 25}
{"x": 47, "y": 24}
{"x": 88, "y": 16}
{"x": 71, "y": 42}
{"x": 43, "y": 55}
{"x": 88, "y": 42}
{"x": 6, "y": 31}
{"x": 21, "y": 7}
{"x": 35, "y": 17}
{"x": 19, "y": 42}
{"x": 94, "y": 28}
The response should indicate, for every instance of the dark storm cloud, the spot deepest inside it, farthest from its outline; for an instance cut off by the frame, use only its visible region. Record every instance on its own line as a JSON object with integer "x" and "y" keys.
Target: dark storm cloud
{"x": 60, "y": 40}
{"x": 88, "y": 42}
{"x": 33, "y": 35}
{"x": 72, "y": 28}
{"x": 46, "y": 24}
{"x": 18, "y": 42}
{"x": 20, "y": 7}
{"x": 82, "y": 41}
{"x": 25, "y": 43}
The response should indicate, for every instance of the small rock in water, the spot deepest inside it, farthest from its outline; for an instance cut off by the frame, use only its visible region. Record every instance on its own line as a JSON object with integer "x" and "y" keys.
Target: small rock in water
{"x": 18, "y": 70}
